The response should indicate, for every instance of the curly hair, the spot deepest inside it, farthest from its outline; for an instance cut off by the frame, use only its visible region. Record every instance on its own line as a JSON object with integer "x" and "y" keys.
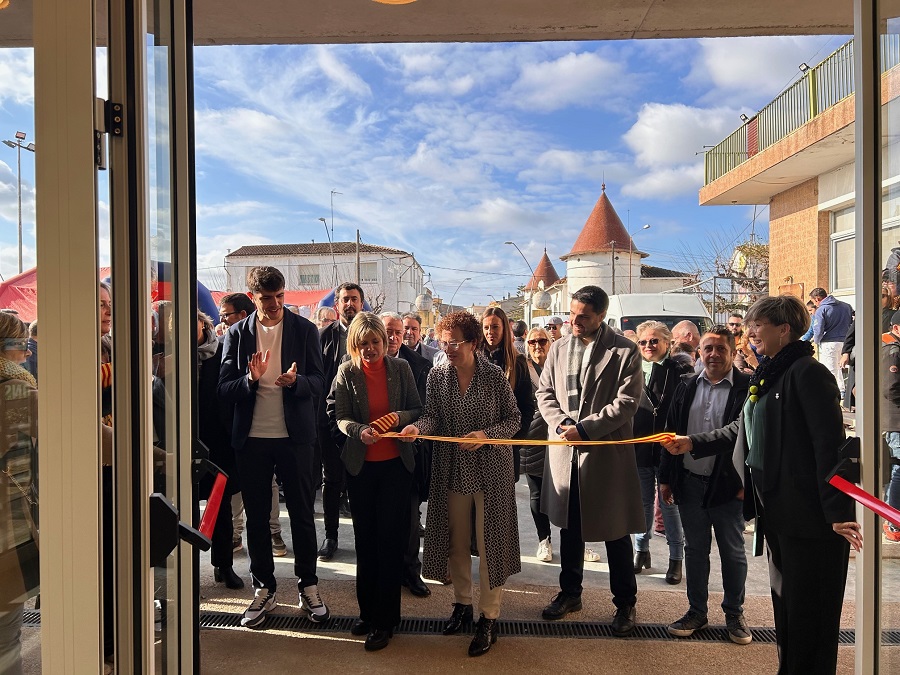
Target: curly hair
{"x": 468, "y": 325}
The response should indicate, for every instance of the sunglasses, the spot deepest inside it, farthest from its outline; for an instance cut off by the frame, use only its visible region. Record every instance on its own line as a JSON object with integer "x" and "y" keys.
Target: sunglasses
{"x": 539, "y": 341}
{"x": 736, "y": 325}
{"x": 553, "y": 326}
{"x": 16, "y": 344}
{"x": 652, "y": 342}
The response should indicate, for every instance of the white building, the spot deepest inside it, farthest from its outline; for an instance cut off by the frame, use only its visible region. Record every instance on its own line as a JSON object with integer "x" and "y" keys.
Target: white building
{"x": 390, "y": 277}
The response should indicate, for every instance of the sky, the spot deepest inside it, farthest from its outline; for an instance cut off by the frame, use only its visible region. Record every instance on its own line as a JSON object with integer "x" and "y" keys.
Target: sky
{"x": 449, "y": 150}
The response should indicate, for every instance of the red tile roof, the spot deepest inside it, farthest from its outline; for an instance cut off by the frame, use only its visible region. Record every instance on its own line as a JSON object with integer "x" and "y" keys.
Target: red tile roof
{"x": 340, "y": 248}
{"x": 603, "y": 226}
{"x": 543, "y": 272}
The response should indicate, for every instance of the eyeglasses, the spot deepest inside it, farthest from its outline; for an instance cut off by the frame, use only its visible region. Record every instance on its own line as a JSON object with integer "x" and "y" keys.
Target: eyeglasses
{"x": 539, "y": 341}
{"x": 552, "y": 326}
{"x": 736, "y": 325}
{"x": 225, "y": 315}
{"x": 16, "y": 344}
{"x": 652, "y": 342}
{"x": 451, "y": 346}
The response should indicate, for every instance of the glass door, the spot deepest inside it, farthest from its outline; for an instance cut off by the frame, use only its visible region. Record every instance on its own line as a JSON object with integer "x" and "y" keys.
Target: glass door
{"x": 154, "y": 340}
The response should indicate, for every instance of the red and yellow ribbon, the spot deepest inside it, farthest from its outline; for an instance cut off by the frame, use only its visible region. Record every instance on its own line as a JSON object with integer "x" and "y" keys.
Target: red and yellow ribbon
{"x": 655, "y": 438}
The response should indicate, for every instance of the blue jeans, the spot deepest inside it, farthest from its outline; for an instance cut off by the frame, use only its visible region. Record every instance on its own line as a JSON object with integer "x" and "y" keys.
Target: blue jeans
{"x": 728, "y": 522}
{"x": 671, "y": 519}
{"x": 893, "y": 491}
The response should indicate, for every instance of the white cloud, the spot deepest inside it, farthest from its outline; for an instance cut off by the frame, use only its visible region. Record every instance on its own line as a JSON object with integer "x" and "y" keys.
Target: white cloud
{"x": 751, "y": 70}
{"x": 17, "y": 76}
{"x": 670, "y": 134}
{"x": 230, "y": 209}
{"x": 666, "y": 183}
{"x": 338, "y": 72}
{"x": 458, "y": 86}
{"x": 581, "y": 80}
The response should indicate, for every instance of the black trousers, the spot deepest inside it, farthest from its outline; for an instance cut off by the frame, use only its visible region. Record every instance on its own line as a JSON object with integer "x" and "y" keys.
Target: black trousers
{"x": 257, "y": 462}
{"x": 541, "y": 520}
{"x": 619, "y": 552}
{"x": 380, "y": 506}
{"x": 412, "y": 565}
{"x": 808, "y": 577}
{"x": 334, "y": 482}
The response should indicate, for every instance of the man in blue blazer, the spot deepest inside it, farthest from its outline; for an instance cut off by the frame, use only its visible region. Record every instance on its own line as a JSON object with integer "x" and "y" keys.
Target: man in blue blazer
{"x": 271, "y": 377}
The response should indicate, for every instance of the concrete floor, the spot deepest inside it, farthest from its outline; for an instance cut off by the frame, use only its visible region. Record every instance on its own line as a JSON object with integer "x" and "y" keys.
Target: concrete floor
{"x": 525, "y": 595}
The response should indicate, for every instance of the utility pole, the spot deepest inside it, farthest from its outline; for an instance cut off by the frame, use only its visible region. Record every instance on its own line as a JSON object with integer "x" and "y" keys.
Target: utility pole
{"x": 18, "y": 144}
{"x": 358, "y": 276}
{"x": 613, "y": 267}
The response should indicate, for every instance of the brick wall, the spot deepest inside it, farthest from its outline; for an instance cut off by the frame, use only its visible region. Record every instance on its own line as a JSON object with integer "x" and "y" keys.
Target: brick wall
{"x": 798, "y": 238}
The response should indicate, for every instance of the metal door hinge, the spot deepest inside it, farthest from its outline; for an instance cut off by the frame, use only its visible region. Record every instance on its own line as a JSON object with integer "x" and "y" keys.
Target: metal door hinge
{"x": 110, "y": 118}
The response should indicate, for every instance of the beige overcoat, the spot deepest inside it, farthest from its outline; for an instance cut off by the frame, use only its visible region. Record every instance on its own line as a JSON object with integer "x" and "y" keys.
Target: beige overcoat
{"x": 610, "y": 493}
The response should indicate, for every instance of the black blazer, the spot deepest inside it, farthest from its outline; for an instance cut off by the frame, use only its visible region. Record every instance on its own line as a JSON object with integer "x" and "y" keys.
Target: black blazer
{"x": 656, "y": 395}
{"x": 805, "y": 430}
{"x": 300, "y": 344}
{"x": 330, "y": 342}
{"x": 724, "y": 482}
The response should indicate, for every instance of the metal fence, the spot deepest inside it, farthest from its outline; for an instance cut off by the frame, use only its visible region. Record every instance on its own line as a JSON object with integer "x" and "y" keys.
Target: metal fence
{"x": 819, "y": 89}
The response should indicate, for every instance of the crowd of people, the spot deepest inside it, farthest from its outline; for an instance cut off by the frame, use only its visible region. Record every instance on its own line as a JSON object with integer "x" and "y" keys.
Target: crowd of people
{"x": 349, "y": 403}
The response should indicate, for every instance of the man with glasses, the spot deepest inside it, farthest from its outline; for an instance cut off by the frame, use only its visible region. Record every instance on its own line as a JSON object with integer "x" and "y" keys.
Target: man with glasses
{"x": 325, "y": 316}
{"x": 233, "y": 308}
{"x": 736, "y": 325}
{"x": 554, "y": 328}
{"x": 590, "y": 388}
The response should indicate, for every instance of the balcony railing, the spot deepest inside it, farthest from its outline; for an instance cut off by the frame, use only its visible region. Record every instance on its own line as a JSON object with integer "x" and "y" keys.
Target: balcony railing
{"x": 820, "y": 88}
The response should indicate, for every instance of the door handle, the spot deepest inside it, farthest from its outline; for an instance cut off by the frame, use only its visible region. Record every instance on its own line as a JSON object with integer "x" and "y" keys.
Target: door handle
{"x": 166, "y": 529}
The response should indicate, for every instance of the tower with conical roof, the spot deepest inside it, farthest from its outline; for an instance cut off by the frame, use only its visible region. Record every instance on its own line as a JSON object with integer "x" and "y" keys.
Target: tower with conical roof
{"x": 543, "y": 272}
{"x": 604, "y": 254}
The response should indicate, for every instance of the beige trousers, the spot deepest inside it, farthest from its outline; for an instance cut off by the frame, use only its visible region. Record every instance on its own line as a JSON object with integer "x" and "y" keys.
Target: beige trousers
{"x": 459, "y": 508}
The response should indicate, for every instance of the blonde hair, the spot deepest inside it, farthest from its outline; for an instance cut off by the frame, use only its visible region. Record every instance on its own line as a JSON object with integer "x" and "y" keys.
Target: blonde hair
{"x": 657, "y": 327}
{"x": 364, "y": 325}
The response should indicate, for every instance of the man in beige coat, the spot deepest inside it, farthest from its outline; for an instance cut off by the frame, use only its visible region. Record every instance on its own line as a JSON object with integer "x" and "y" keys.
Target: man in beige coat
{"x": 589, "y": 390}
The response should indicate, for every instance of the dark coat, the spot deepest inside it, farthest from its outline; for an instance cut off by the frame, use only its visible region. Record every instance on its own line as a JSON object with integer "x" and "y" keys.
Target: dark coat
{"x": 805, "y": 430}
{"x": 890, "y": 385}
{"x": 330, "y": 341}
{"x": 532, "y": 456}
{"x": 213, "y": 423}
{"x": 524, "y": 398}
{"x": 421, "y": 367}
{"x": 724, "y": 482}
{"x": 653, "y": 408}
{"x": 300, "y": 344}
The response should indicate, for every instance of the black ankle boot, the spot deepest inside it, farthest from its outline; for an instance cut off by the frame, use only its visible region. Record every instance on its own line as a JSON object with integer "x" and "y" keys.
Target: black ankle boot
{"x": 227, "y": 575}
{"x": 673, "y": 574}
{"x": 641, "y": 561}
{"x": 461, "y": 614}
{"x": 485, "y": 636}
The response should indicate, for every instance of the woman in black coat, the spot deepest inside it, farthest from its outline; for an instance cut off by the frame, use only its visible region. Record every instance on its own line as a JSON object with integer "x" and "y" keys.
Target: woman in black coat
{"x": 661, "y": 376}
{"x": 790, "y": 433}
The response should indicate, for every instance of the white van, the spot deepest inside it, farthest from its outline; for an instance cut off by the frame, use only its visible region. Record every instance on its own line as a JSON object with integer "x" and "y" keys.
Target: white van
{"x": 628, "y": 311}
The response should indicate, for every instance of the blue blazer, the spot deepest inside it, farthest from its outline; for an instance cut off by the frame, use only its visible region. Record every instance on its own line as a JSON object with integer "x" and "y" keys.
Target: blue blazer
{"x": 300, "y": 344}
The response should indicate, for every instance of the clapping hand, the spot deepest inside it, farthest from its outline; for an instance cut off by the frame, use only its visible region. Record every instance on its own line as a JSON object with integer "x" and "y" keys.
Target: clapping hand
{"x": 258, "y": 365}
{"x": 289, "y": 378}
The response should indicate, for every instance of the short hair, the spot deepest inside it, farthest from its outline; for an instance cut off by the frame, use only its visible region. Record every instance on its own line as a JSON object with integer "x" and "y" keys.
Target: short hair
{"x": 779, "y": 310}
{"x": 364, "y": 324}
{"x": 594, "y": 296}
{"x": 240, "y": 302}
{"x": 413, "y": 315}
{"x": 468, "y": 325}
{"x": 32, "y": 329}
{"x": 350, "y": 286}
{"x": 657, "y": 327}
{"x": 721, "y": 331}
{"x": 818, "y": 293}
{"x": 735, "y": 314}
{"x": 393, "y": 316}
{"x": 519, "y": 328}
{"x": 682, "y": 348}
{"x": 265, "y": 278}
{"x": 810, "y": 304}
{"x": 325, "y": 308}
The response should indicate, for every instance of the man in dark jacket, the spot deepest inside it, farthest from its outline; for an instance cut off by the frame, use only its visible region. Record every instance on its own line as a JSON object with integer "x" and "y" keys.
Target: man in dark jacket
{"x": 271, "y": 379}
{"x": 709, "y": 491}
{"x": 349, "y": 299}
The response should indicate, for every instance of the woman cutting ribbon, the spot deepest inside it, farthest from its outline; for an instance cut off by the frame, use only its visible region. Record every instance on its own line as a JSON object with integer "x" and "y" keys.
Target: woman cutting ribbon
{"x": 469, "y": 397}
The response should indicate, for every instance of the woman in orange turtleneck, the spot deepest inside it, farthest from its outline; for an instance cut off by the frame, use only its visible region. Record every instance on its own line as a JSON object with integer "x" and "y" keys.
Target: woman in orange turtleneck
{"x": 375, "y": 393}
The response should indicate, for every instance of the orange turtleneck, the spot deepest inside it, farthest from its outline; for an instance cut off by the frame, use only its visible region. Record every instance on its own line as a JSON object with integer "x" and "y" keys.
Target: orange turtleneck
{"x": 377, "y": 387}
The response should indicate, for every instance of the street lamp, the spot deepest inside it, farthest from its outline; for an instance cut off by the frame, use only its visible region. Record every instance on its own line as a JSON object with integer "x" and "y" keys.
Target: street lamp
{"x": 450, "y": 304}
{"x": 530, "y": 304}
{"x": 631, "y": 255}
{"x": 18, "y": 145}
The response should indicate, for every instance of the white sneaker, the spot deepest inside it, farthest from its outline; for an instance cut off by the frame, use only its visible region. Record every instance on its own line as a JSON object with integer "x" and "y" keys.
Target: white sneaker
{"x": 545, "y": 551}
{"x": 263, "y": 603}
{"x": 590, "y": 555}
{"x": 311, "y": 603}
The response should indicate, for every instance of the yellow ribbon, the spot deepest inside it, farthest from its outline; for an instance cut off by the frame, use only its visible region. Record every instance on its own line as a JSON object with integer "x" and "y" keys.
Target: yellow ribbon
{"x": 655, "y": 438}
